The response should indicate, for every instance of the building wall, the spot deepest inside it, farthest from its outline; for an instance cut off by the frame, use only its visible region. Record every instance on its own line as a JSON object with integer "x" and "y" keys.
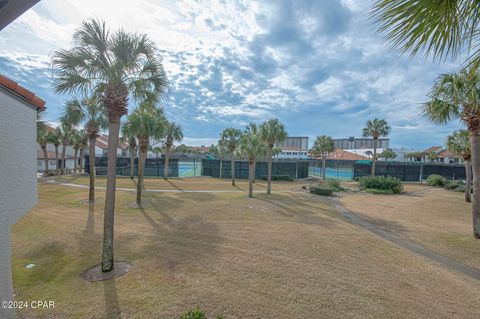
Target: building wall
{"x": 294, "y": 141}
{"x": 359, "y": 143}
{"x": 18, "y": 176}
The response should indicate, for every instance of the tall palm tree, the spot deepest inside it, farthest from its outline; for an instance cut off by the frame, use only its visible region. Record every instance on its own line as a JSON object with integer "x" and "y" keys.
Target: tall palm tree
{"x": 42, "y": 140}
{"x": 324, "y": 145}
{"x": 271, "y": 132}
{"x": 459, "y": 143}
{"x": 375, "y": 128}
{"x": 229, "y": 139}
{"x": 456, "y": 96}
{"x": 91, "y": 114}
{"x": 440, "y": 28}
{"x": 54, "y": 137}
{"x": 115, "y": 66}
{"x": 130, "y": 139}
{"x": 75, "y": 140}
{"x": 145, "y": 122}
{"x": 251, "y": 146}
{"x": 83, "y": 142}
{"x": 173, "y": 132}
{"x": 66, "y": 132}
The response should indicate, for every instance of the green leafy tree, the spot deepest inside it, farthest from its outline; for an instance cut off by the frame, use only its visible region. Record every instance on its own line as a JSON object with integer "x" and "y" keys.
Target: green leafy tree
{"x": 66, "y": 127}
{"x": 438, "y": 28}
{"x": 459, "y": 143}
{"x": 271, "y": 132}
{"x": 229, "y": 139}
{"x": 375, "y": 128}
{"x": 55, "y": 137}
{"x": 91, "y": 114}
{"x": 146, "y": 122}
{"x": 251, "y": 146}
{"x": 114, "y": 66}
{"x": 173, "y": 133}
{"x": 323, "y": 145}
{"x": 42, "y": 140}
{"x": 387, "y": 154}
{"x": 456, "y": 96}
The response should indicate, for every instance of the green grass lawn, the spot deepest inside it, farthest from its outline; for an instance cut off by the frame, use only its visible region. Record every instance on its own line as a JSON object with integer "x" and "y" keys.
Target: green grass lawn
{"x": 288, "y": 255}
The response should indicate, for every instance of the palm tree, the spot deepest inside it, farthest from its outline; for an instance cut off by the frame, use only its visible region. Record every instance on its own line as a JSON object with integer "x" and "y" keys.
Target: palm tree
{"x": 271, "y": 132}
{"x": 456, "y": 96}
{"x": 251, "y": 146}
{"x": 145, "y": 122}
{"x": 323, "y": 145}
{"x": 387, "y": 154}
{"x": 75, "y": 140}
{"x": 66, "y": 131}
{"x": 130, "y": 139}
{"x": 459, "y": 143}
{"x": 440, "y": 28}
{"x": 375, "y": 128}
{"x": 54, "y": 137}
{"x": 92, "y": 115}
{"x": 114, "y": 66}
{"x": 229, "y": 139}
{"x": 42, "y": 140}
{"x": 83, "y": 142}
{"x": 173, "y": 132}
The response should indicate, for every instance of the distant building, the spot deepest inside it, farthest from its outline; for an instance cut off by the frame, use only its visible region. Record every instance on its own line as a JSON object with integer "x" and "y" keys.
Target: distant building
{"x": 352, "y": 143}
{"x": 293, "y": 147}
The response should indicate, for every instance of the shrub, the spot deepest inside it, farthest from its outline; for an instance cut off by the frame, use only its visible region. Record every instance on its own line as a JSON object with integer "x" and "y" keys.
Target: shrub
{"x": 381, "y": 183}
{"x": 454, "y": 184}
{"x": 331, "y": 183}
{"x": 379, "y": 191}
{"x": 321, "y": 191}
{"x": 436, "y": 180}
{"x": 197, "y": 314}
{"x": 287, "y": 178}
{"x": 460, "y": 189}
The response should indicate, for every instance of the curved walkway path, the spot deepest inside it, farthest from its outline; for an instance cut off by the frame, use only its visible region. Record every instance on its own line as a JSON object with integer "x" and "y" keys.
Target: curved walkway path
{"x": 364, "y": 223}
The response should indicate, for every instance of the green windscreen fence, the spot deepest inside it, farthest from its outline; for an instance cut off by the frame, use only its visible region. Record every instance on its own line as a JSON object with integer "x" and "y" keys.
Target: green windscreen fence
{"x": 222, "y": 168}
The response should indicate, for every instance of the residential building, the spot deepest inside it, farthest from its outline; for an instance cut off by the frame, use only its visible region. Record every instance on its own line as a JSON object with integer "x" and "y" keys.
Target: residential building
{"x": 18, "y": 187}
{"x": 292, "y": 152}
{"x": 298, "y": 142}
{"x": 352, "y": 143}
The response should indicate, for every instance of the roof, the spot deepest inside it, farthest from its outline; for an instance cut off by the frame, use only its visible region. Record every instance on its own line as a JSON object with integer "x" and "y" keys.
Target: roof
{"x": 25, "y": 94}
{"x": 12, "y": 9}
{"x": 286, "y": 148}
{"x": 51, "y": 155}
{"x": 447, "y": 153}
{"x": 433, "y": 149}
{"x": 102, "y": 142}
{"x": 345, "y": 155}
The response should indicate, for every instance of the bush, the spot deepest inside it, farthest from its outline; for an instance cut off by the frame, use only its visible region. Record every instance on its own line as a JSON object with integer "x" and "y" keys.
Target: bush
{"x": 453, "y": 184}
{"x": 331, "y": 183}
{"x": 287, "y": 178}
{"x": 381, "y": 183}
{"x": 197, "y": 314}
{"x": 321, "y": 191}
{"x": 436, "y": 180}
{"x": 379, "y": 191}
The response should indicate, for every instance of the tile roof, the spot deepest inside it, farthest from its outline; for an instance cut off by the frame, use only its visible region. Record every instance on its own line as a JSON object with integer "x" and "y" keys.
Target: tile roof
{"x": 433, "y": 149}
{"x": 27, "y": 95}
{"x": 340, "y": 154}
{"x": 51, "y": 155}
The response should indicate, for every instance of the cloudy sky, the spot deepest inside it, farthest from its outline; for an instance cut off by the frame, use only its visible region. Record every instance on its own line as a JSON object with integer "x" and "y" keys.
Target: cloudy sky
{"x": 316, "y": 65}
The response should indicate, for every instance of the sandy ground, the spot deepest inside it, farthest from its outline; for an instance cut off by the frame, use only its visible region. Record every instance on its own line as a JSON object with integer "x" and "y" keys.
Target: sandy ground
{"x": 288, "y": 255}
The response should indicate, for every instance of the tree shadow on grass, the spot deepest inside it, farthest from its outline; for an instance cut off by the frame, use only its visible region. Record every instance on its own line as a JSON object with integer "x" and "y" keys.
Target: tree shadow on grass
{"x": 112, "y": 306}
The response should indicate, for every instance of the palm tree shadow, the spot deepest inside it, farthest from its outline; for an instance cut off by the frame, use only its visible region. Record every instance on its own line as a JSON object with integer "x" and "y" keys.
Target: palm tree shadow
{"x": 173, "y": 185}
{"x": 112, "y": 306}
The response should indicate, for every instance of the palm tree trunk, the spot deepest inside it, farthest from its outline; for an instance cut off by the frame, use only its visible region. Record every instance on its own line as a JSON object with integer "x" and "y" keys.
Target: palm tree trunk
{"x": 232, "y": 168}
{"x": 91, "y": 163}
{"x": 132, "y": 162}
{"x": 269, "y": 170}
{"x": 324, "y": 167}
{"x": 374, "y": 155}
{"x": 254, "y": 170}
{"x": 75, "y": 161}
{"x": 475, "y": 144}
{"x": 468, "y": 181}
{"x": 141, "y": 165}
{"x": 109, "y": 214}
{"x": 64, "y": 149}
{"x": 167, "y": 158}
{"x": 251, "y": 167}
{"x": 45, "y": 156}
{"x": 82, "y": 154}
{"x": 56, "y": 158}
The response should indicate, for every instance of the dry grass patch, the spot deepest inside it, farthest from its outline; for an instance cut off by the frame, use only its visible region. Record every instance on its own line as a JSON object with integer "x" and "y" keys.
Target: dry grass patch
{"x": 287, "y": 255}
{"x": 433, "y": 217}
